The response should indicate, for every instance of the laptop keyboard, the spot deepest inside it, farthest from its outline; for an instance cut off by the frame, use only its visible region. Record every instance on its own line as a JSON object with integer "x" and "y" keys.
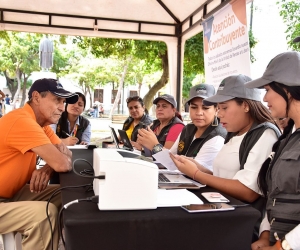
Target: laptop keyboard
{"x": 162, "y": 178}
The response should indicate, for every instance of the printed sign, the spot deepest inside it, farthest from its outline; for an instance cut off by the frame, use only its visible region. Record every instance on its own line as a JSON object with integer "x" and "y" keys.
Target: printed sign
{"x": 226, "y": 43}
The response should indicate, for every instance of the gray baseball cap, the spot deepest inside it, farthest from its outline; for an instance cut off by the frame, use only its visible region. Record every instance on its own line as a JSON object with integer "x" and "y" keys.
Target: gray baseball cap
{"x": 283, "y": 68}
{"x": 166, "y": 97}
{"x": 232, "y": 87}
{"x": 202, "y": 90}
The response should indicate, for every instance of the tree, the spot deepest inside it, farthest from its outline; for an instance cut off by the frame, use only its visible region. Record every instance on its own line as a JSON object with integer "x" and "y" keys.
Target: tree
{"x": 153, "y": 54}
{"x": 290, "y": 13}
{"x": 19, "y": 57}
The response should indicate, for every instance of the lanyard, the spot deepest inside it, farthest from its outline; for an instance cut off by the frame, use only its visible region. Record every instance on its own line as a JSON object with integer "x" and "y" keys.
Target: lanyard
{"x": 75, "y": 130}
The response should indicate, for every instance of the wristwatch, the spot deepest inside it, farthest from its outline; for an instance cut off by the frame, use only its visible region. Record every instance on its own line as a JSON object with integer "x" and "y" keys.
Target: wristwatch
{"x": 285, "y": 245}
{"x": 157, "y": 148}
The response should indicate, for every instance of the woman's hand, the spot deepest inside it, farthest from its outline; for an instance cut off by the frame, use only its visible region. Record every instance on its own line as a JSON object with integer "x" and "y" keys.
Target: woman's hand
{"x": 184, "y": 164}
{"x": 147, "y": 138}
{"x": 136, "y": 145}
{"x": 262, "y": 242}
{"x": 70, "y": 141}
{"x": 199, "y": 166}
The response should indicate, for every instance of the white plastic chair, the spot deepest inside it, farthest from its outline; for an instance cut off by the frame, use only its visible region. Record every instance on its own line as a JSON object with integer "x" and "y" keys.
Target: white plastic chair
{"x": 10, "y": 241}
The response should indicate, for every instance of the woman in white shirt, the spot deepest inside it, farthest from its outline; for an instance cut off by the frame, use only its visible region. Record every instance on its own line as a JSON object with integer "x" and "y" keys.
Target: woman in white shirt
{"x": 204, "y": 137}
{"x": 240, "y": 112}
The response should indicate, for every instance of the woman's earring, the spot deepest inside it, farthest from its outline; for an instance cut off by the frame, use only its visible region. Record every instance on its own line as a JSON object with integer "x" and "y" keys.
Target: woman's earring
{"x": 215, "y": 121}
{"x": 246, "y": 109}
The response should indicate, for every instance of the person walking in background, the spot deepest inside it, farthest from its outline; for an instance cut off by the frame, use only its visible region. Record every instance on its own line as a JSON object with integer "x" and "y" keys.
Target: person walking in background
{"x": 7, "y": 104}
{"x": 138, "y": 117}
{"x": 1, "y": 103}
{"x": 202, "y": 139}
{"x": 96, "y": 109}
{"x": 165, "y": 129}
{"x": 1, "y": 108}
{"x": 279, "y": 177}
{"x": 2, "y": 95}
{"x": 101, "y": 111}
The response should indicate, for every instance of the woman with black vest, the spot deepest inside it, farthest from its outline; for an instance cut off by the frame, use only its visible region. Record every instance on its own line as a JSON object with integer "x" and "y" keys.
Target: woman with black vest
{"x": 72, "y": 127}
{"x": 279, "y": 177}
{"x": 138, "y": 117}
{"x": 204, "y": 137}
{"x": 166, "y": 128}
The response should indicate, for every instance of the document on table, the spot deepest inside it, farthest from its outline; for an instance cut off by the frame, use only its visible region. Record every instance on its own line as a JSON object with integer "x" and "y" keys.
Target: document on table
{"x": 164, "y": 158}
{"x": 78, "y": 147}
{"x": 176, "y": 198}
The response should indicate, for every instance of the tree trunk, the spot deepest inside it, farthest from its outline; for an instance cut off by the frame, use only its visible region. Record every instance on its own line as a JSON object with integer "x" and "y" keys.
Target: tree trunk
{"x": 24, "y": 89}
{"x": 148, "y": 99}
{"x": 120, "y": 87}
{"x": 18, "y": 76}
{"x": 11, "y": 84}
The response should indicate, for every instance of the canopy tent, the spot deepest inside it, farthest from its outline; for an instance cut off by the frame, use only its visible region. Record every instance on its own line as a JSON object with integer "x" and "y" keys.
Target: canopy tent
{"x": 171, "y": 21}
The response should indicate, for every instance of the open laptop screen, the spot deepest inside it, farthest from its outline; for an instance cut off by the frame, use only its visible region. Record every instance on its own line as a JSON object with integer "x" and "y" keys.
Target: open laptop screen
{"x": 125, "y": 139}
{"x": 114, "y": 136}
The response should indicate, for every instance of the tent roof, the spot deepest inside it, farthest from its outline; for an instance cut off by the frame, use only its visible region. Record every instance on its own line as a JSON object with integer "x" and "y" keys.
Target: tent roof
{"x": 139, "y": 19}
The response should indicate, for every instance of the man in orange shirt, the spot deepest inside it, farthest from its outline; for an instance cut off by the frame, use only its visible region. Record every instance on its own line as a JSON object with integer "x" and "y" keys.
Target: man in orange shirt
{"x": 24, "y": 134}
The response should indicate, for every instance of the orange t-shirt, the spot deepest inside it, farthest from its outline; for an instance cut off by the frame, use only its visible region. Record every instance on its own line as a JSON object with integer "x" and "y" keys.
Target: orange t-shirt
{"x": 19, "y": 133}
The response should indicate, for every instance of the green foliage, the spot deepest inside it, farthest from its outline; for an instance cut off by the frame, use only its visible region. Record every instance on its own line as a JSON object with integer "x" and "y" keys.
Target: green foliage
{"x": 290, "y": 13}
{"x": 252, "y": 43}
{"x": 193, "y": 56}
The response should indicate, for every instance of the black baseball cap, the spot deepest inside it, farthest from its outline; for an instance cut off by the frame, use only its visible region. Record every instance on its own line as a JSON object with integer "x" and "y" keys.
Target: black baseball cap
{"x": 170, "y": 99}
{"x": 53, "y": 86}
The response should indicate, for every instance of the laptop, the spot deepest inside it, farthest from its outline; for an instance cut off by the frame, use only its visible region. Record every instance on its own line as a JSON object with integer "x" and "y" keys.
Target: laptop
{"x": 114, "y": 137}
{"x": 126, "y": 142}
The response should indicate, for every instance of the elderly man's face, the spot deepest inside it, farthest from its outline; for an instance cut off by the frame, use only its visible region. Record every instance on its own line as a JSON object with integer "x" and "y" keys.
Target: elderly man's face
{"x": 50, "y": 109}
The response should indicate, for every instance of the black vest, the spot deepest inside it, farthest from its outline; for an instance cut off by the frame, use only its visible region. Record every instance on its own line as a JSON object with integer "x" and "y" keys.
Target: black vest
{"x": 247, "y": 144}
{"x": 164, "y": 132}
{"x": 191, "y": 148}
{"x": 146, "y": 120}
{"x": 62, "y": 125}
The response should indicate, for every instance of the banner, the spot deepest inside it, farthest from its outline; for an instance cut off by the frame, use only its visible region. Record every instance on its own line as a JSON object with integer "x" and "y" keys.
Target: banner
{"x": 226, "y": 43}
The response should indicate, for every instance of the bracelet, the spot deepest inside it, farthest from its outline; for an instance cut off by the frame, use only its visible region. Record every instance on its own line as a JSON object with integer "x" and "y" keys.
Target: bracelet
{"x": 195, "y": 174}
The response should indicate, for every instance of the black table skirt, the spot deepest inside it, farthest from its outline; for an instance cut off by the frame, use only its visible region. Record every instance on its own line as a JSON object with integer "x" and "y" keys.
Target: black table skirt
{"x": 86, "y": 227}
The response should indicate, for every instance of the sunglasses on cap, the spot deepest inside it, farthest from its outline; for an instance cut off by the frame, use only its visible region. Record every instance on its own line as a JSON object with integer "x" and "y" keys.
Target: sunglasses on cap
{"x": 134, "y": 98}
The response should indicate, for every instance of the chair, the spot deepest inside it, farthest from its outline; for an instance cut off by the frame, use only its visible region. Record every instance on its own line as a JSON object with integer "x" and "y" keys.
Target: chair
{"x": 10, "y": 241}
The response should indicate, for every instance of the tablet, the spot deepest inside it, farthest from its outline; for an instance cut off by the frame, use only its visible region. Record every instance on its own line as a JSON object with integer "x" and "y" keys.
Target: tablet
{"x": 211, "y": 207}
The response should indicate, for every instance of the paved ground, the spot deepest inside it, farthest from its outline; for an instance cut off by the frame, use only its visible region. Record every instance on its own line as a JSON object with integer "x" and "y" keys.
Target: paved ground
{"x": 100, "y": 129}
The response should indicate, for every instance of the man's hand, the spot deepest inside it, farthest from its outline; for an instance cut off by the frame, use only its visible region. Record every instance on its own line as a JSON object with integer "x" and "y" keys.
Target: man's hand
{"x": 40, "y": 178}
{"x": 63, "y": 149}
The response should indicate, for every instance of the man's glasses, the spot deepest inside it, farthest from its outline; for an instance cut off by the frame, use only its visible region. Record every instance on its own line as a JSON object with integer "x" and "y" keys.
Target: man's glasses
{"x": 134, "y": 98}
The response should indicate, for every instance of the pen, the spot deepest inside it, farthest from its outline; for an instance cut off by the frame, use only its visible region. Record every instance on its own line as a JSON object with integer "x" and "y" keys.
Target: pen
{"x": 67, "y": 134}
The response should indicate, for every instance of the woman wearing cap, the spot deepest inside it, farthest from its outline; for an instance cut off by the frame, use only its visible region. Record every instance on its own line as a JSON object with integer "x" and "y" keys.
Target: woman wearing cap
{"x": 279, "y": 178}
{"x": 251, "y": 134}
{"x": 204, "y": 137}
{"x": 165, "y": 129}
{"x": 72, "y": 127}
{"x": 138, "y": 117}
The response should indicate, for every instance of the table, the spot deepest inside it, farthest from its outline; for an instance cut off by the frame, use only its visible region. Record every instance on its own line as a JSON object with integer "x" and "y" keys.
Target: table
{"x": 86, "y": 227}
